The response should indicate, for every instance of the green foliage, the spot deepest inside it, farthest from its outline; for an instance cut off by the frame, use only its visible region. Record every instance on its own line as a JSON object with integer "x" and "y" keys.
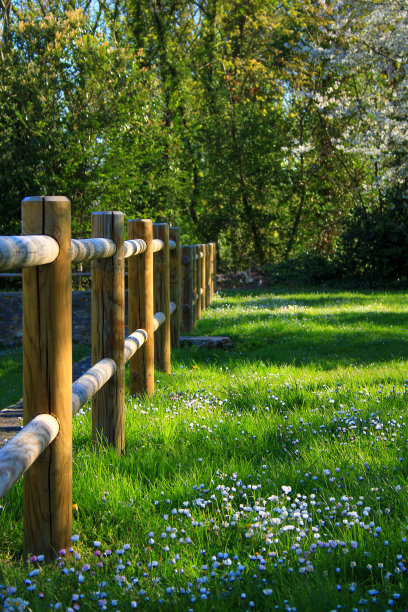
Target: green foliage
{"x": 76, "y": 108}
{"x": 216, "y": 116}
{"x": 305, "y": 269}
{"x": 372, "y": 249}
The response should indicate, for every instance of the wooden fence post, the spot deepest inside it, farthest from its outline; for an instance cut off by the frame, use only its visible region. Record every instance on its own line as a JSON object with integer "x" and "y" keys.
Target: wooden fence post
{"x": 212, "y": 269}
{"x": 203, "y": 283}
{"x": 199, "y": 275}
{"x": 195, "y": 285}
{"x": 140, "y": 308}
{"x": 47, "y": 378}
{"x": 207, "y": 275}
{"x": 108, "y": 331}
{"x": 187, "y": 315}
{"x": 175, "y": 286}
{"x": 161, "y": 276}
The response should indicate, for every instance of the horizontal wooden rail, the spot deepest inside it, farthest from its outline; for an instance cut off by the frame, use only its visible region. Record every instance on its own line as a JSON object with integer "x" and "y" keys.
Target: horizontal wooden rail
{"x": 158, "y": 319}
{"x": 88, "y": 249}
{"x": 26, "y": 251}
{"x": 134, "y": 247}
{"x": 24, "y": 448}
{"x": 134, "y": 342}
{"x": 172, "y": 245}
{"x": 85, "y": 387}
{"x": 158, "y": 245}
{"x": 173, "y": 307}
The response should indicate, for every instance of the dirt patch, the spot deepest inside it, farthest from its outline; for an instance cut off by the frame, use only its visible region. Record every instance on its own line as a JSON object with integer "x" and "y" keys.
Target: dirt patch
{"x": 11, "y": 317}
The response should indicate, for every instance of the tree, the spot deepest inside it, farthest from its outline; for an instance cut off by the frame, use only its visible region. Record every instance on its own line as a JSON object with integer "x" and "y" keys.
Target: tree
{"x": 363, "y": 48}
{"x": 75, "y": 105}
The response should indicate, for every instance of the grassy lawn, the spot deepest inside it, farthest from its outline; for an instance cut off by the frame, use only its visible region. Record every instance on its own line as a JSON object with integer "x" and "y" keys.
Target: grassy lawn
{"x": 270, "y": 477}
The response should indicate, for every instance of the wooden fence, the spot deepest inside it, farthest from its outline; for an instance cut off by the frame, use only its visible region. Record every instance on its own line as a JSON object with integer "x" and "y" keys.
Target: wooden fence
{"x": 168, "y": 286}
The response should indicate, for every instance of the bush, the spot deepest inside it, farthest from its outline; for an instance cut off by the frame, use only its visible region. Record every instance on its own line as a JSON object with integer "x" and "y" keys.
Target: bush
{"x": 373, "y": 248}
{"x": 372, "y": 251}
{"x": 309, "y": 268}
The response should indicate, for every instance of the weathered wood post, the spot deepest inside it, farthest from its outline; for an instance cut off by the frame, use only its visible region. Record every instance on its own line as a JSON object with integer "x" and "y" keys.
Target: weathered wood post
{"x": 207, "y": 275}
{"x": 108, "y": 331}
{"x": 187, "y": 315}
{"x": 47, "y": 377}
{"x": 212, "y": 269}
{"x": 203, "y": 283}
{"x": 175, "y": 287}
{"x": 140, "y": 308}
{"x": 195, "y": 285}
{"x": 199, "y": 276}
{"x": 161, "y": 276}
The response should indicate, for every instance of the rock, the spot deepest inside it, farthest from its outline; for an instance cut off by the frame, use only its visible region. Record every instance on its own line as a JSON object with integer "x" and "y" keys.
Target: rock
{"x": 208, "y": 342}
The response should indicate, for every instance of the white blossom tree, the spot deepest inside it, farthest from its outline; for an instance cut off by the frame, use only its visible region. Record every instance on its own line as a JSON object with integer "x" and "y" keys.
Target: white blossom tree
{"x": 361, "y": 47}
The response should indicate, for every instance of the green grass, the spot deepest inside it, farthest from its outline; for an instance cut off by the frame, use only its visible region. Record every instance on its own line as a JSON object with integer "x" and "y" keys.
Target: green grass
{"x": 273, "y": 476}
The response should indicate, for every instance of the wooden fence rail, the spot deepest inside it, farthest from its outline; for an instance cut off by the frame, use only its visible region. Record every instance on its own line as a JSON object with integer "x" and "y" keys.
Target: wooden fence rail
{"x": 166, "y": 293}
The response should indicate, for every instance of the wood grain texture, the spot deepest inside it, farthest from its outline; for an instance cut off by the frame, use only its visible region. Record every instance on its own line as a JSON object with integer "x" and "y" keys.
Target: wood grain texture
{"x": 19, "y": 453}
{"x": 134, "y": 247}
{"x": 85, "y": 387}
{"x": 203, "y": 269}
{"x": 195, "y": 285}
{"x": 158, "y": 245}
{"x": 161, "y": 276}
{"x": 91, "y": 248}
{"x": 175, "y": 287}
{"x": 207, "y": 275}
{"x": 140, "y": 308}
{"x": 187, "y": 309}
{"x": 47, "y": 377}
{"x": 158, "y": 320}
{"x": 212, "y": 270}
{"x": 134, "y": 342}
{"x": 199, "y": 280}
{"x": 17, "y": 252}
{"x": 108, "y": 331}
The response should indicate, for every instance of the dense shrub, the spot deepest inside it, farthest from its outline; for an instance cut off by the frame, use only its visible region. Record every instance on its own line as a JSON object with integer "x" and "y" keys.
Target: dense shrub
{"x": 372, "y": 251}
{"x": 373, "y": 247}
{"x": 309, "y": 268}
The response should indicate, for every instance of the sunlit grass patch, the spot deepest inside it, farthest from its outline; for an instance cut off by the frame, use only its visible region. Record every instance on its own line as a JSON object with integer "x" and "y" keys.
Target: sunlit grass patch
{"x": 271, "y": 476}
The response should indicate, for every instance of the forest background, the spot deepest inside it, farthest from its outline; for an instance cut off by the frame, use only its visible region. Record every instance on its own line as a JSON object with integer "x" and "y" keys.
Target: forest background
{"x": 277, "y": 128}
